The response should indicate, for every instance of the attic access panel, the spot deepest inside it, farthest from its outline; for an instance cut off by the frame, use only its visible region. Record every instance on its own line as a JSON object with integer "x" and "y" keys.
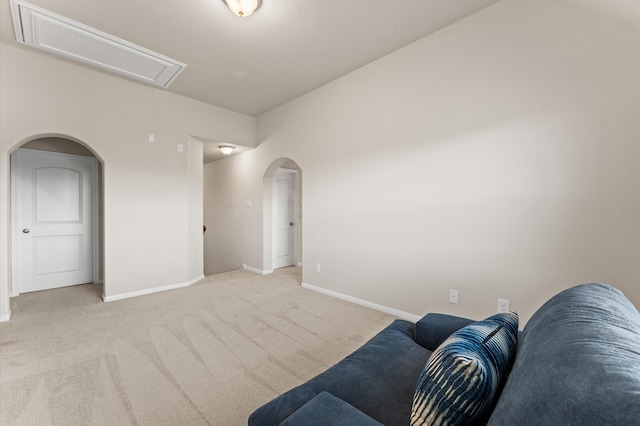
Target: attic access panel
{"x": 56, "y": 34}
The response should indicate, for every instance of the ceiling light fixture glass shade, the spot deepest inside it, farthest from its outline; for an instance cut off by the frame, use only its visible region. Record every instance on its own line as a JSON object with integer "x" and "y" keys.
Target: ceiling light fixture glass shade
{"x": 243, "y": 8}
{"x": 226, "y": 149}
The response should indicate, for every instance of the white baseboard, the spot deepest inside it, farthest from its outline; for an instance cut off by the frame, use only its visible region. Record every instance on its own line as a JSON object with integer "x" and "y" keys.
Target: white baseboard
{"x": 400, "y": 314}
{"x": 255, "y": 270}
{"x": 151, "y": 290}
{"x": 5, "y": 317}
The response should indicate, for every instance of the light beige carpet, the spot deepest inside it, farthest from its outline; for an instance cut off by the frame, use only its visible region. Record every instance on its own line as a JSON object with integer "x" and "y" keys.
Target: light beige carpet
{"x": 208, "y": 354}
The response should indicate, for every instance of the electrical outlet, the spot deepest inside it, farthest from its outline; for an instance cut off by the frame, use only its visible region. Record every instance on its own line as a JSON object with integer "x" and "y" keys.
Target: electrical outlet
{"x": 453, "y": 296}
{"x": 317, "y": 267}
{"x": 180, "y": 264}
{"x": 503, "y": 305}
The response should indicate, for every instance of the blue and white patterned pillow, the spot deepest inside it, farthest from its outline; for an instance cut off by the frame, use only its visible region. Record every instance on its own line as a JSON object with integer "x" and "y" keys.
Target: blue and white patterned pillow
{"x": 465, "y": 373}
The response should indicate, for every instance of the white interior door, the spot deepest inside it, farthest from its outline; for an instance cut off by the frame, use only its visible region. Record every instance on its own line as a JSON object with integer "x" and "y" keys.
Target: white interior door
{"x": 284, "y": 224}
{"x": 52, "y": 219}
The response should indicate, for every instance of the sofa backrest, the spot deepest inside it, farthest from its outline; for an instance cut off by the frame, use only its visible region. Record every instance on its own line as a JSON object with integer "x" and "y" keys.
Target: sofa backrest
{"x": 577, "y": 363}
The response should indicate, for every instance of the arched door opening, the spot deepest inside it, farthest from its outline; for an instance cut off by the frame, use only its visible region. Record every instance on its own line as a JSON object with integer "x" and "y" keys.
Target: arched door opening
{"x": 282, "y": 215}
{"x": 56, "y": 215}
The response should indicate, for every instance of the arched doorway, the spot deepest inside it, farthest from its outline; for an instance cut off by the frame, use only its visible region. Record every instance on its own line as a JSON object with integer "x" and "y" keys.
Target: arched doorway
{"x": 56, "y": 214}
{"x": 282, "y": 216}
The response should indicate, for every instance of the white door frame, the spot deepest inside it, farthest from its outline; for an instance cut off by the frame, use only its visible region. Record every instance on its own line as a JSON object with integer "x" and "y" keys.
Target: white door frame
{"x": 15, "y": 235}
{"x": 296, "y": 215}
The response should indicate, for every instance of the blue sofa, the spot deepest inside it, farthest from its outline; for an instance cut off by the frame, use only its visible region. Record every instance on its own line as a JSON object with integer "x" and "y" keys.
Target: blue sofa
{"x": 577, "y": 363}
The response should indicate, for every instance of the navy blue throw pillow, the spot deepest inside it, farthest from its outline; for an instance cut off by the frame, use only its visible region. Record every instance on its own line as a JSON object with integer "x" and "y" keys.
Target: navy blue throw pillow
{"x": 464, "y": 374}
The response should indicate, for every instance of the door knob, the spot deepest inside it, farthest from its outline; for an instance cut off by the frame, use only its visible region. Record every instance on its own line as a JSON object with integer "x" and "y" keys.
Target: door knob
{"x": 26, "y": 231}
{"x": 290, "y": 223}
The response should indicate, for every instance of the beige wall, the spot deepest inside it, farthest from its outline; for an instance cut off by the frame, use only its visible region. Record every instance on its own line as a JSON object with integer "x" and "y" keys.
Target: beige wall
{"x": 234, "y": 230}
{"x": 152, "y": 208}
{"x": 499, "y": 157}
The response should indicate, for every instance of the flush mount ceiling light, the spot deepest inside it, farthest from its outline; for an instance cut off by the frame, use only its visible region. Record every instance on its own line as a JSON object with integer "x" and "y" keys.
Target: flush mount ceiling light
{"x": 243, "y": 8}
{"x": 57, "y": 34}
{"x": 226, "y": 149}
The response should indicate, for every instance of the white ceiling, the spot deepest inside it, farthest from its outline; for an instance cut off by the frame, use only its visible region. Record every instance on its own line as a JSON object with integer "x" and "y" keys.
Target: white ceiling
{"x": 285, "y": 49}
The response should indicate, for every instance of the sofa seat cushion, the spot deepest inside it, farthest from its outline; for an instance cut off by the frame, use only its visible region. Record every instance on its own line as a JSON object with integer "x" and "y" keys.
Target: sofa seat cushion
{"x": 378, "y": 379}
{"x": 433, "y": 329}
{"x": 327, "y": 410}
{"x": 465, "y": 373}
{"x": 578, "y": 363}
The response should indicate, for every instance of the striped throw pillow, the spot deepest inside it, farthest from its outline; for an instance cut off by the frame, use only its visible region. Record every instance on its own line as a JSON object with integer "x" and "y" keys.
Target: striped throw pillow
{"x": 464, "y": 374}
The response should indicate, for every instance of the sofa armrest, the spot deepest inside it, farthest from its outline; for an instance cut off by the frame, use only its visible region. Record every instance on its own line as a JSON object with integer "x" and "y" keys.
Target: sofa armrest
{"x": 328, "y": 410}
{"x": 433, "y": 329}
